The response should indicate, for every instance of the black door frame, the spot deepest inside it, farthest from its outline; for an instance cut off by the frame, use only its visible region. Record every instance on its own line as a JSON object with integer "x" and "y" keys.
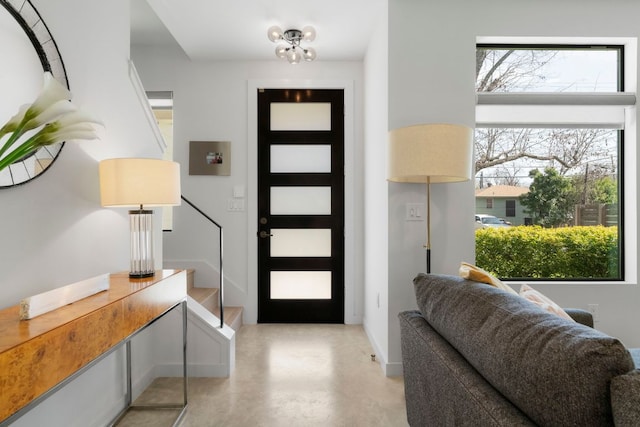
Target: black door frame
{"x": 308, "y": 311}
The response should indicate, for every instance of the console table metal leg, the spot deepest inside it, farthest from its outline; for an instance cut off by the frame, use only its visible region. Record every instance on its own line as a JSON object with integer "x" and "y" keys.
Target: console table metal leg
{"x": 184, "y": 363}
{"x": 184, "y": 352}
{"x": 127, "y": 352}
{"x": 129, "y": 393}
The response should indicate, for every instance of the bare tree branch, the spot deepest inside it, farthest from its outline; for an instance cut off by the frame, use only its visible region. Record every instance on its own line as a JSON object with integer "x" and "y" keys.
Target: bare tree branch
{"x": 564, "y": 149}
{"x": 485, "y": 81}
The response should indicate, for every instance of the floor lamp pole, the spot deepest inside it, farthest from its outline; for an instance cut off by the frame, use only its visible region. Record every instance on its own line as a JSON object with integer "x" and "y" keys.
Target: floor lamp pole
{"x": 428, "y": 246}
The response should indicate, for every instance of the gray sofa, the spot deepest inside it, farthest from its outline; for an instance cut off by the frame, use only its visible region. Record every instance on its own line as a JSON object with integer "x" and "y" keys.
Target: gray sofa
{"x": 474, "y": 355}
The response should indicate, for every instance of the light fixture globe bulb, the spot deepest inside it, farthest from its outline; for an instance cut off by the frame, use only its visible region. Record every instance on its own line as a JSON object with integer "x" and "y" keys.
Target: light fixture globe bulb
{"x": 293, "y": 56}
{"x": 274, "y": 33}
{"x": 281, "y": 51}
{"x": 308, "y": 33}
{"x": 309, "y": 54}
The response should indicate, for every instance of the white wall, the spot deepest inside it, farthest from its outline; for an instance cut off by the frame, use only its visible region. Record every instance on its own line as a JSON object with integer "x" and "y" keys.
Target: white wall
{"x": 431, "y": 78}
{"x": 212, "y": 103}
{"x": 55, "y": 231}
{"x": 376, "y": 237}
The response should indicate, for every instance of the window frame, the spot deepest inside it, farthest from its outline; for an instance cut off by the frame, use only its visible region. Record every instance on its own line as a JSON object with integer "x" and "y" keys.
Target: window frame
{"x": 489, "y": 203}
{"x": 510, "y": 209}
{"x": 626, "y": 164}
{"x": 565, "y": 46}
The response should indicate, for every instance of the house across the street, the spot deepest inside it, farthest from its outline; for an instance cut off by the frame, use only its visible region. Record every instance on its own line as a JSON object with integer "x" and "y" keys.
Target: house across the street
{"x": 502, "y": 201}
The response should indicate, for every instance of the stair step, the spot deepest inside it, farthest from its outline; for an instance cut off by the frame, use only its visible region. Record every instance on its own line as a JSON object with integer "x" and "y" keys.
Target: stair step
{"x": 190, "y": 278}
{"x": 207, "y": 297}
{"x": 232, "y": 316}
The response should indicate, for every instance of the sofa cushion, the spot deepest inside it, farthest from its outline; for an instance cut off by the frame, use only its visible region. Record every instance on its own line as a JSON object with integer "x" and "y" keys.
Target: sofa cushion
{"x": 477, "y": 274}
{"x": 542, "y": 301}
{"x": 556, "y": 371}
{"x": 442, "y": 389}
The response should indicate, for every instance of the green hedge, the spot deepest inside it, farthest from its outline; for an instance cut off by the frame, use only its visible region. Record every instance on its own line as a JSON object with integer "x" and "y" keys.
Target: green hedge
{"x": 536, "y": 252}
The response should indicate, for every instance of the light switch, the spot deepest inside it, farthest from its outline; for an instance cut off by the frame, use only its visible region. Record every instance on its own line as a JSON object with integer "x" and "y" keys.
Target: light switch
{"x": 415, "y": 212}
{"x": 238, "y": 191}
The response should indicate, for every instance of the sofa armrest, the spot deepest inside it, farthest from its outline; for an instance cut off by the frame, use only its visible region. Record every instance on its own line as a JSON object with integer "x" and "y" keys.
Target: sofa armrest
{"x": 442, "y": 388}
{"x": 580, "y": 316}
{"x": 625, "y": 399}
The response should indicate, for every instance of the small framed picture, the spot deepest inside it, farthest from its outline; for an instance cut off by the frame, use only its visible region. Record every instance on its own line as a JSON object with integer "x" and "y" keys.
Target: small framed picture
{"x": 210, "y": 158}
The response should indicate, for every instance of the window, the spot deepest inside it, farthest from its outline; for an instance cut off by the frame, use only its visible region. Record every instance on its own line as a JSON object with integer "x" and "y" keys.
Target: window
{"x": 161, "y": 103}
{"x": 489, "y": 203}
{"x": 550, "y": 127}
{"x": 548, "y": 68}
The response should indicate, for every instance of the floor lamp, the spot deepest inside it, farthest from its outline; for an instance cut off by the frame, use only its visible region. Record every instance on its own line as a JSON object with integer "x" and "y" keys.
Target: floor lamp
{"x": 140, "y": 183}
{"x": 430, "y": 154}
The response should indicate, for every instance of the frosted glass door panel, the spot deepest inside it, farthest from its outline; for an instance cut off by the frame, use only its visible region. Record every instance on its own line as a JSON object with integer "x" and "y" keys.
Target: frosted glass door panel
{"x": 300, "y": 285}
{"x": 300, "y": 116}
{"x": 300, "y": 200}
{"x": 300, "y": 159}
{"x": 300, "y": 242}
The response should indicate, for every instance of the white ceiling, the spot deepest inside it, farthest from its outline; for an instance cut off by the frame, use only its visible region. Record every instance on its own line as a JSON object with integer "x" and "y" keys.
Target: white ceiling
{"x": 237, "y": 29}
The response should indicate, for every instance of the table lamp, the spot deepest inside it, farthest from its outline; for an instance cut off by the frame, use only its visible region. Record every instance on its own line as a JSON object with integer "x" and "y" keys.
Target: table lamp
{"x": 430, "y": 153}
{"x": 140, "y": 183}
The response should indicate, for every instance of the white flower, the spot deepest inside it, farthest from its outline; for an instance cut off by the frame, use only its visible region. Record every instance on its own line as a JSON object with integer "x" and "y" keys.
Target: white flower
{"x": 77, "y": 116}
{"x": 53, "y": 112}
{"x": 52, "y": 93}
{"x": 52, "y": 108}
{"x": 14, "y": 121}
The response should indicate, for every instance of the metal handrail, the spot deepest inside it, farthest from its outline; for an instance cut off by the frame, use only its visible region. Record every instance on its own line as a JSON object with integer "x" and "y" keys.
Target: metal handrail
{"x": 221, "y": 255}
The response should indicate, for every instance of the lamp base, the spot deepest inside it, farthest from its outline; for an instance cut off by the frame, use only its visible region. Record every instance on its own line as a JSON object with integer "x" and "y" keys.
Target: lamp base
{"x": 141, "y": 224}
{"x": 140, "y": 275}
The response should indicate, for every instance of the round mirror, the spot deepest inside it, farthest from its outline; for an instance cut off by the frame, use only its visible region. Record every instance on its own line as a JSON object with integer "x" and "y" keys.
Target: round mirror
{"x": 28, "y": 50}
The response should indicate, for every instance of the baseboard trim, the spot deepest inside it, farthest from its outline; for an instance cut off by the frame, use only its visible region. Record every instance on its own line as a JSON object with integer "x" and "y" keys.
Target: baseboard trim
{"x": 175, "y": 370}
{"x": 393, "y": 369}
{"x": 389, "y": 369}
{"x": 193, "y": 370}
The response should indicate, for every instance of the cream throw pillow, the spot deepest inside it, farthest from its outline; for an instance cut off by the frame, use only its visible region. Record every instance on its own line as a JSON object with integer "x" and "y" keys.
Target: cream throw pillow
{"x": 471, "y": 272}
{"x": 542, "y": 301}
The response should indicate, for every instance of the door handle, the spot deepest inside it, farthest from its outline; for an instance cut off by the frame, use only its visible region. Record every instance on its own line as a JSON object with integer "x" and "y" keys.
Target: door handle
{"x": 263, "y": 234}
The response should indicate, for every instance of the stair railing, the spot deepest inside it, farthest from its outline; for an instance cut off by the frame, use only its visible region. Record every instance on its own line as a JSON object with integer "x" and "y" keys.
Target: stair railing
{"x": 221, "y": 293}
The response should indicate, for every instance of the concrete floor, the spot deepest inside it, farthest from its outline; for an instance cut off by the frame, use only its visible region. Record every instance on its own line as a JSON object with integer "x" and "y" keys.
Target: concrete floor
{"x": 288, "y": 375}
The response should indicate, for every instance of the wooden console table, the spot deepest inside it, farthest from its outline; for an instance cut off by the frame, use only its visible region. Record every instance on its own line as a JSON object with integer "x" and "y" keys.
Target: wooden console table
{"x": 40, "y": 355}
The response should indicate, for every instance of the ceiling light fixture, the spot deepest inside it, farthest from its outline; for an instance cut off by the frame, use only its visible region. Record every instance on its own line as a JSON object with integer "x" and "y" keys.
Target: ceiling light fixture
{"x": 293, "y": 52}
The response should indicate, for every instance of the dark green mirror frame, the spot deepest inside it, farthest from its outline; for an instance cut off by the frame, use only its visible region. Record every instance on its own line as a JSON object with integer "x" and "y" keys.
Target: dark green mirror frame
{"x": 36, "y": 163}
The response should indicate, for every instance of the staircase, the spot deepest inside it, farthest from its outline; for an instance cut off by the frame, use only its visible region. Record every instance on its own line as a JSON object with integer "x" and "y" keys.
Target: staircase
{"x": 209, "y": 299}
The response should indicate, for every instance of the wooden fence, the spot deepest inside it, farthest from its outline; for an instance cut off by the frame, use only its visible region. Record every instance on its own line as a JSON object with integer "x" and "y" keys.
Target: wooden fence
{"x": 606, "y": 215}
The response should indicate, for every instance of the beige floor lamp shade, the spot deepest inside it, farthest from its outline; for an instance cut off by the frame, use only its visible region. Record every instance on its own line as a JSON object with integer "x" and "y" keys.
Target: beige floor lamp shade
{"x": 140, "y": 183}
{"x": 431, "y": 154}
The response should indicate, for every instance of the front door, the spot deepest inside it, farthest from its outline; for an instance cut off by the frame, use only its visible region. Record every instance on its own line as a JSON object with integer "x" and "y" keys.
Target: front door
{"x": 301, "y": 205}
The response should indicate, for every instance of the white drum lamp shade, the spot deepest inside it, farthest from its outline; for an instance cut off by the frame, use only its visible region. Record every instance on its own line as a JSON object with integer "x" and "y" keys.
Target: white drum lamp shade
{"x": 140, "y": 183}
{"x": 433, "y": 153}
{"x": 133, "y": 182}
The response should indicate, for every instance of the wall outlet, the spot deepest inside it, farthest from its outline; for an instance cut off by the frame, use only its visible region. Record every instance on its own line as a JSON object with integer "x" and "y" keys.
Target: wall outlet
{"x": 593, "y": 309}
